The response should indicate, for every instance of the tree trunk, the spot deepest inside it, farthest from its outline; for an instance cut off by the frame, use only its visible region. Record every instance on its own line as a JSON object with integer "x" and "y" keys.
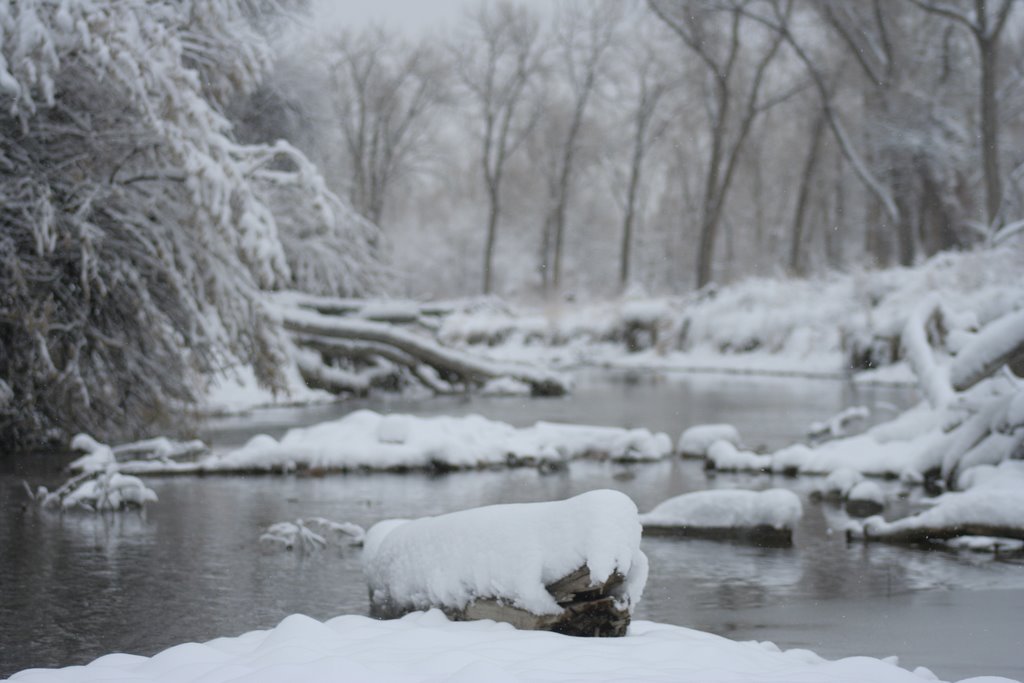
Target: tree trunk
{"x": 492, "y": 236}
{"x": 627, "y": 220}
{"x": 795, "y": 265}
{"x": 990, "y": 129}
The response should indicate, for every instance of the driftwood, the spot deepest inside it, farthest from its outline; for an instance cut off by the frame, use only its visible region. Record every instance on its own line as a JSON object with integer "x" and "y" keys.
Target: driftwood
{"x": 762, "y": 535}
{"x": 926, "y": 535}
{"x": 412, "y": 350}
{"x": 587, "y": 609}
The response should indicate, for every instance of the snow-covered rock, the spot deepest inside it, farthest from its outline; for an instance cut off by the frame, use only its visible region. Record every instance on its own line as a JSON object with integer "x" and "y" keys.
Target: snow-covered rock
{"x": 864, "y": 499}
{"x": 728, "y": 513}
{"x": 429, "y": 647}
{"x": 509, "y": 554}
{"x": 723, "y": 455}
{"x": 695, "y": 441}
{"x": 837, "y": 484}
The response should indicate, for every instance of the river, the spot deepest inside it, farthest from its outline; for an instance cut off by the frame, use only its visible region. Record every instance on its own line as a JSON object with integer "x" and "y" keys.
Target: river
{"x": 190, "y": 568}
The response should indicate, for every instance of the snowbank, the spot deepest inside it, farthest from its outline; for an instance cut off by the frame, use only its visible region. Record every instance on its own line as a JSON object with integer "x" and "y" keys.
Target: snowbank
{"x": 365, "y": 440}
{"x": 428, "y": 647}
{"x": 509, "y": 553}
{"x": 727, "y": 513}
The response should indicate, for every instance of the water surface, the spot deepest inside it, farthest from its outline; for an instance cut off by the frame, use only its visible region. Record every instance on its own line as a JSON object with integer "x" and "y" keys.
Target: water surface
{"x": 74, "y": 587}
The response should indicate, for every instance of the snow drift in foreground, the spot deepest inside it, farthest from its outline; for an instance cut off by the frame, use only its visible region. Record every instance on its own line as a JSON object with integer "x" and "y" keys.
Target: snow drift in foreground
{"x": 425, "y": 646}
{"x": 365, "y": 440}
{"x": 506, "y": 552}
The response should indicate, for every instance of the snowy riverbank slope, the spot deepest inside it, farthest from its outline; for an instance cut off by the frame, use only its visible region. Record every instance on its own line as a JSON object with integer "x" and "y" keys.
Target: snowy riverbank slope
{"x": 425, "y": 646}
{"x": 829, "y": 325}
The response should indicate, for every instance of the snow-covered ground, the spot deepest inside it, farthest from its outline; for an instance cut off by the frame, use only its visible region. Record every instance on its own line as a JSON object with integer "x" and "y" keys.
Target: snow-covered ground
{"x": 759, "y": 325}
{"x": 425, "y": 646}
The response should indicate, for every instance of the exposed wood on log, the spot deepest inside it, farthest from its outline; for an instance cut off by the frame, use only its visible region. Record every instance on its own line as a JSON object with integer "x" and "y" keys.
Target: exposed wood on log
{"x": 588, "y": 608}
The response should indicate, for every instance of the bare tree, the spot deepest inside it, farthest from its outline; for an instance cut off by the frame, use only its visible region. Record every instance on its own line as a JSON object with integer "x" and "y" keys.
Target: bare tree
{"x": 986, "y": 26}
{"x": 731, "y": 109}
{"x": 647, "y": 83}
{"x": 585, "y": 33}
{"x": 796, "y": 265}
{"x": 497, "y": 63}
{"x": 384, "y": 92}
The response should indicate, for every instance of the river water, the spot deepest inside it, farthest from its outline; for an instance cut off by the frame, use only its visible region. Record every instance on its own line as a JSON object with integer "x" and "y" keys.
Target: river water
{"x": 76, "y": 586}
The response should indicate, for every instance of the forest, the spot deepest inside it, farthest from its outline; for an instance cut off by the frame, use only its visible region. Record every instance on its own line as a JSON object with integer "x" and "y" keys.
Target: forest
{"x": 166, "y": 165}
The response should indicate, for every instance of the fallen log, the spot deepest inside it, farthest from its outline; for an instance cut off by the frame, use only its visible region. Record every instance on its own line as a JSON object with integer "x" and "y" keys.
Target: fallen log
{"x": 999, "y": 343}
{"x": 925, "y": 535}
{"x": 471, "y": 369}
{"x": 495, "y": 562}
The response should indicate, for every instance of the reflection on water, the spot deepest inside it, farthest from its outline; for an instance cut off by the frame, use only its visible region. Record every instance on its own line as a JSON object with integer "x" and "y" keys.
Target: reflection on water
{"x": 74, "y": 587}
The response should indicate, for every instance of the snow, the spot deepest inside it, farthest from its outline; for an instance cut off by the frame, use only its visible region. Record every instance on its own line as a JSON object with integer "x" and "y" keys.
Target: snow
{"x": 368, "y": 440}
{"x": 509, "y": 552}
{"x": 505, "y": 386}
{"x": 425, "y": 646}
{"x": 310, "y": 535}
{"x": 867, "y": 492}
{"x": 696, "y": 440}
{"x": 728, "y": 509}
{"x": 837, "y": 425}
{"x": 99, "y": 491}
{"x": 995, "y": 341}
{"x": 238, "y": 391}
{"x": 840, "y": 482}
{"x": 722, "y": 455}
{"x": 760, "y": 325}
{"x": 986, "y": 544}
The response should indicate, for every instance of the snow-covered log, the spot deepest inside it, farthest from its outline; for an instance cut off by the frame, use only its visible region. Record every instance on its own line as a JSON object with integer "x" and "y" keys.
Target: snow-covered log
{"x": 760, "y": 517}
{"x": 368, "y": 441}
{"x": 450, "y": 363}
{"x": 991, "y": 505}
{"x": 932, "y": 377}
{"x": 572, "y": 566}
{"x": 999, "y": 343}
